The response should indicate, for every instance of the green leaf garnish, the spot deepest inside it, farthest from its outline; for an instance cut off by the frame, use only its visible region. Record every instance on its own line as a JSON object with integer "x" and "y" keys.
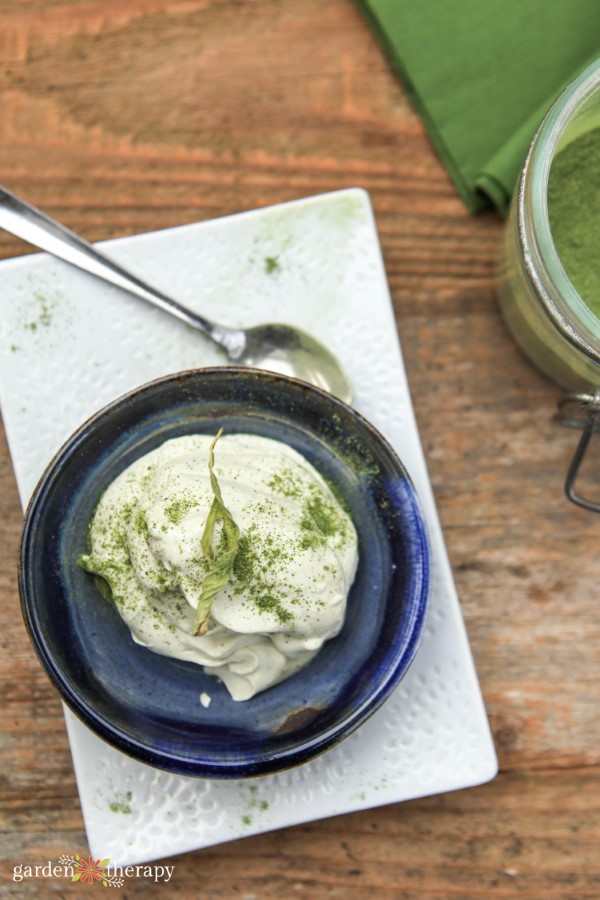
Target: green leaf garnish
{"x": 221, "y": 565}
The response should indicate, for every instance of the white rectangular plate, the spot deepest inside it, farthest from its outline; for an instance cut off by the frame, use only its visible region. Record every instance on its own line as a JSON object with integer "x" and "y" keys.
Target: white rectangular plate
{"x": 69, "y": 344}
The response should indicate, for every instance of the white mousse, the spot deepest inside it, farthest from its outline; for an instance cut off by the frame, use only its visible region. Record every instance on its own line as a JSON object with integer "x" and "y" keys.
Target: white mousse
{"x": 295, "y": 562}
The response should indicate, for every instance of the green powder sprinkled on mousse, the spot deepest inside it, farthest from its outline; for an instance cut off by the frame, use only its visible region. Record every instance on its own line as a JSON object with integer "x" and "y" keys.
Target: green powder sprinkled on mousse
{"x": 164, "y": 545}
{"x": 574, "y": 210}
{"x": 253, "y": 564}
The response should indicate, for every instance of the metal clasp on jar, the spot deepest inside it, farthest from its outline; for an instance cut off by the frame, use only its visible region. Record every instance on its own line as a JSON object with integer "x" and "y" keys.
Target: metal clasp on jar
{"x": 580, "y": 410}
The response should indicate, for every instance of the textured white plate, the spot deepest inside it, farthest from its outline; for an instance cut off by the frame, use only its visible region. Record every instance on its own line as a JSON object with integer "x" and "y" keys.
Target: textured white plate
{"x": 69, "y": 344}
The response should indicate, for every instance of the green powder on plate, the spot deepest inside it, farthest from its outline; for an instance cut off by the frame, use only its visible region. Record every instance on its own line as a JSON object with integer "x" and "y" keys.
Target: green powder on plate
{"x": 574, "y": 209}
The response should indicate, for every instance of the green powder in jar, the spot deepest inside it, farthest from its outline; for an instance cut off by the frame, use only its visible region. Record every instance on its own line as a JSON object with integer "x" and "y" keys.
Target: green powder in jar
{"x": 574, "y": 210}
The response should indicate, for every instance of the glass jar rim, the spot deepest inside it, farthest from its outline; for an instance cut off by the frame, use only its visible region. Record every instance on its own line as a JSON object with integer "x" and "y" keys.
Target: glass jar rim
{"x": 562, "y": 303}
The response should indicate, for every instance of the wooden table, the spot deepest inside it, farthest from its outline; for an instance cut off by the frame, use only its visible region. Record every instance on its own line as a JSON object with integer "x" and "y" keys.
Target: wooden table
{"x": 123, "y": 116}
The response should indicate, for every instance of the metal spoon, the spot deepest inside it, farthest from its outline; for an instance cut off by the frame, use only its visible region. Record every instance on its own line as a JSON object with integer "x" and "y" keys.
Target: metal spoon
{"x": 278, "y": 348}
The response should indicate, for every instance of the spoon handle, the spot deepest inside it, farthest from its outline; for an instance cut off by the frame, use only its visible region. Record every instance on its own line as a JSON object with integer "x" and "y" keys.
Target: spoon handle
{"x": 32, "y": 225}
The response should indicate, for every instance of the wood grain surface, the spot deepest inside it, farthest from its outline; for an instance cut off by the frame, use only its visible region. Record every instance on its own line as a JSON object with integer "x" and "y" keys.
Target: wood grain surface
{"x": 123, "y": 116}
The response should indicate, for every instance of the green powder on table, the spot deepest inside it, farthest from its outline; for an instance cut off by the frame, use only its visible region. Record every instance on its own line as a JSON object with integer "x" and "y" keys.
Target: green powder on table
{"x": 574, "y": 210}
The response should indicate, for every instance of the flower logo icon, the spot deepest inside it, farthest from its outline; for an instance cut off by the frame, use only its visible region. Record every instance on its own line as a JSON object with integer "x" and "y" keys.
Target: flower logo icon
{"x": 91, "y": 870}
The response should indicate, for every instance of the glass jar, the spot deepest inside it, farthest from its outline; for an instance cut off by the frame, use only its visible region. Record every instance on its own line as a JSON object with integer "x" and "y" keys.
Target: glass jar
{"x": 542, "y": 309}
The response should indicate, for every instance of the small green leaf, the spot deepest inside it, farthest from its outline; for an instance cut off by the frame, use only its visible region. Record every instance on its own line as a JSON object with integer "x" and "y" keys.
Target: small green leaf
{"x": 209, "y": 528}
{"x": 221, "y": 566}
{"x": 103, "y": 863}
{"x": 76, "y": 877}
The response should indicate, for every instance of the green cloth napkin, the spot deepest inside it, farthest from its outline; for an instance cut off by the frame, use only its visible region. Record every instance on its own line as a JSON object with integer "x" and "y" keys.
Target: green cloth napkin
{"x": 482, "y": 73}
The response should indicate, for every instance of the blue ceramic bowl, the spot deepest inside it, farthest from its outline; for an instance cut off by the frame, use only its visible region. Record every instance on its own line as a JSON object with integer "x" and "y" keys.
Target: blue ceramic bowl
{"x": 148, "y": 705}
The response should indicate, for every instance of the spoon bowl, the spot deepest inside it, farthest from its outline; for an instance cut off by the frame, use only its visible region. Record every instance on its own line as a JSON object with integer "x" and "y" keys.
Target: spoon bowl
{"x": 290, "y": 351}
{"x": 276, "y": 347}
